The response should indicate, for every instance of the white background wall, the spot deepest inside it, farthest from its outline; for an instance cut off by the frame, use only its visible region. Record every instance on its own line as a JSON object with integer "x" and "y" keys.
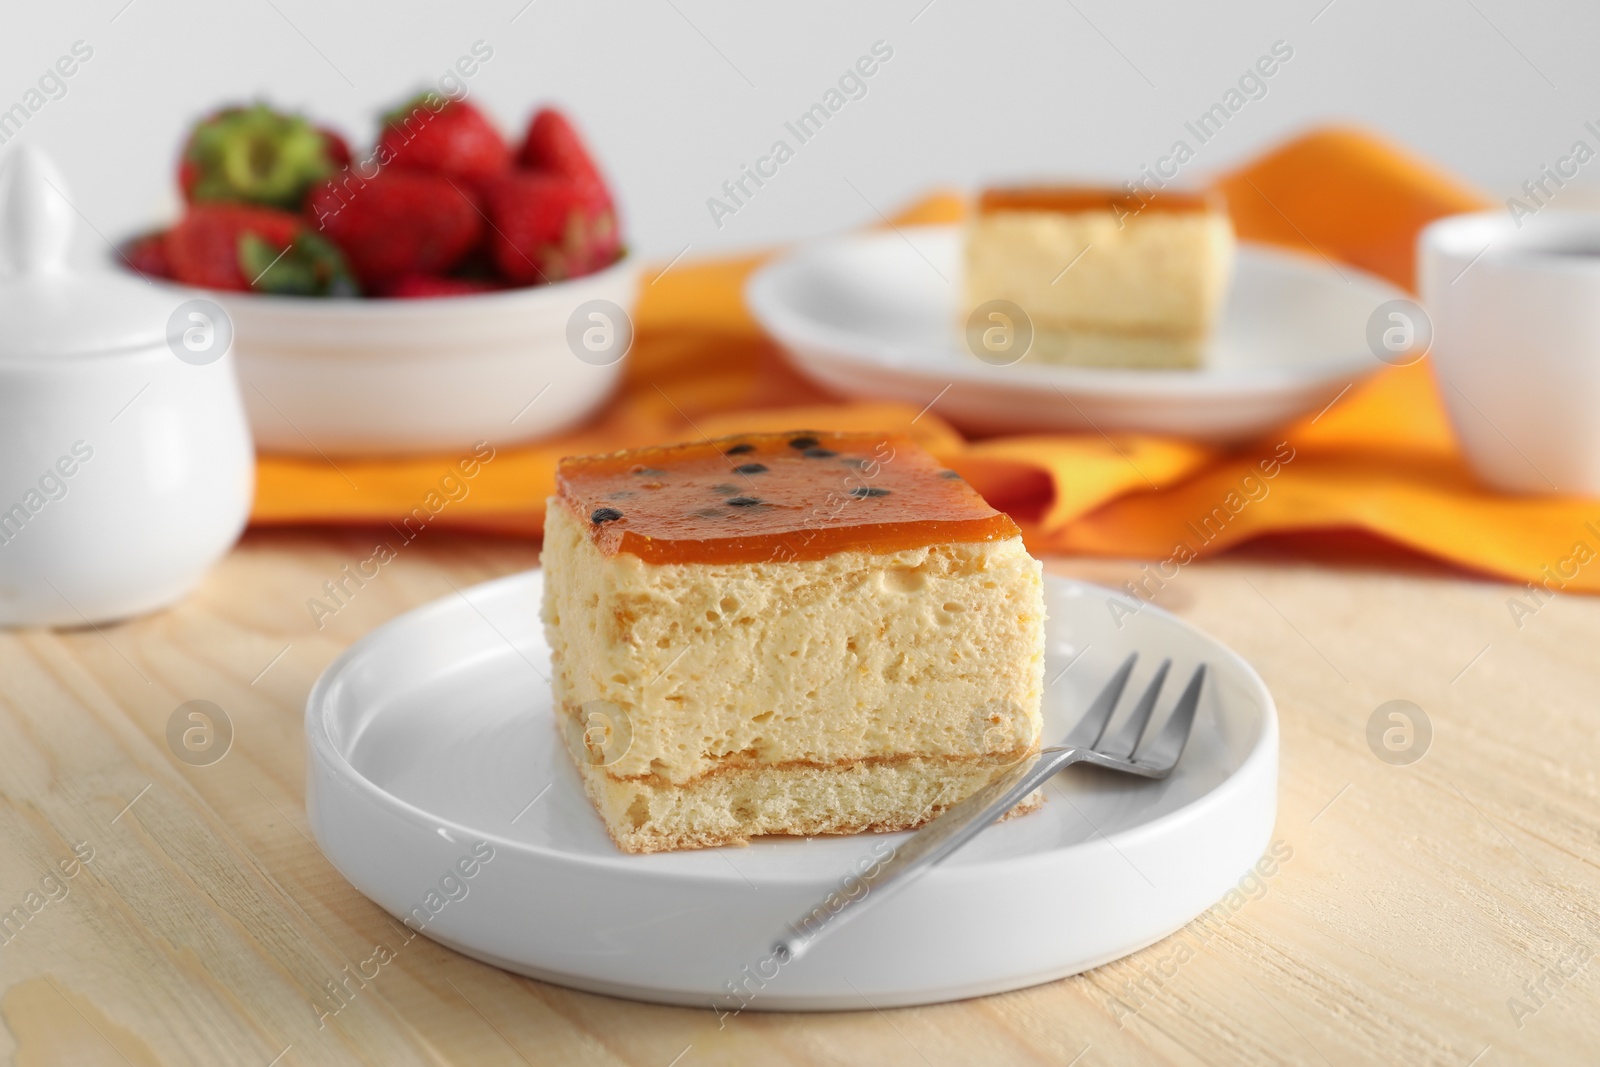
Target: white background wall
{"x": 677, "y": 94}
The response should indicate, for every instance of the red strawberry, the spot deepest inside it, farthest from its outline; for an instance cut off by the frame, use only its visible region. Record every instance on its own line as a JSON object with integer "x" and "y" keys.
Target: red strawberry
{"x": 547, "y": 227}
{"x": 553, "y": 145}
{"x": 455, "y": 140}
{"x": 204, "y": 247}
{"x": 401, "y": 222}
{"x": 148, "y": 255}
{"x": 241, "y": 247}
{"x": 419, "y": 286}
{"x": 336, "y": 148}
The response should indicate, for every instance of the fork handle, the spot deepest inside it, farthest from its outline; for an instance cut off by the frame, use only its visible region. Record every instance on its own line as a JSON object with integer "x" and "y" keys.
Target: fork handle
{"x": 928, "y": 846}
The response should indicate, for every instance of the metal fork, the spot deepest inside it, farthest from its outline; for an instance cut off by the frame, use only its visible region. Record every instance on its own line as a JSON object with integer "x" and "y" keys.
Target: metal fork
{"x": 1086, "y": 743}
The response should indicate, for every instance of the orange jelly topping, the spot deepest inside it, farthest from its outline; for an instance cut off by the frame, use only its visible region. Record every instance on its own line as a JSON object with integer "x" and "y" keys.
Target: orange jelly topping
{"x": 762, "y": 498}
{"x": 1074, "y": 198}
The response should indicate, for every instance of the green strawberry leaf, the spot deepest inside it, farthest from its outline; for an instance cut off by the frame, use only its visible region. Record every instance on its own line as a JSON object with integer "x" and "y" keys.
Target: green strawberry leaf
{"x": 332, "y": 271}
{"x": 310, "y": 266}
{"x": 257, "y": 155}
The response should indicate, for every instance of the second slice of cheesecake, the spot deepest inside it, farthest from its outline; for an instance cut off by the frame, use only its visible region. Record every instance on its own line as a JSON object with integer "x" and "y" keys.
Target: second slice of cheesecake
{"x": 1107, "y": 279}
{"x": 803, "y": 634}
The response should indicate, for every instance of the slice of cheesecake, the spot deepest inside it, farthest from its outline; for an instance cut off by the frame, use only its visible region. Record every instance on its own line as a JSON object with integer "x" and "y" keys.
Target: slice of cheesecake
{"x": 801, "y": 633}
{"x": 1106, "y": 278}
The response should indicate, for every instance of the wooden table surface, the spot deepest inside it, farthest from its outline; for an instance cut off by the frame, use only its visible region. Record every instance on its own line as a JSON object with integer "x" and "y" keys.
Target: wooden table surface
{"x": 1438, "y": 912}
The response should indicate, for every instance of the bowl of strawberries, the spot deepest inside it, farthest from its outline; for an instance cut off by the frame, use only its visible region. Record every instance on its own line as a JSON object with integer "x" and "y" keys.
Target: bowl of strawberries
{"x": 446, "y": 288}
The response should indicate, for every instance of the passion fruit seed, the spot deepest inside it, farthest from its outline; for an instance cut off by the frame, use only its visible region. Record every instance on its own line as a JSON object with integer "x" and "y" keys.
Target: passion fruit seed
{"x": 739, "y": 450}
{"x": 862, "y": 492}
{"x": 605, "y": 515}
{"x": 751, "y": 468}
{"x": 949, "y": 474}
{"x": 743, "y": 501}
{"x": 724, "y": 489}
{"x": 819, "y": 453}
{"x": 802, "y": 442}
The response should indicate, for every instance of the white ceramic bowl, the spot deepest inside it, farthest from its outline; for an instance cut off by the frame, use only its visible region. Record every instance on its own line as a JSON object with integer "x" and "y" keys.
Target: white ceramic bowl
{"x": 377, "y": 376}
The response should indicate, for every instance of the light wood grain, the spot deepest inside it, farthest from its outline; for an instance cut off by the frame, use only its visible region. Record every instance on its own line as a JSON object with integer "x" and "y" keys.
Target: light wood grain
{"x": 1419, "y": 906}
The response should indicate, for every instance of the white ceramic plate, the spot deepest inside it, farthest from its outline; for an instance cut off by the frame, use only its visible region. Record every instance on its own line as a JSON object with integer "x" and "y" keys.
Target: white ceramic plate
{"x": 387, "y": 377}
{"x": 876, "y": 315}
{"x": 431, "y": 743}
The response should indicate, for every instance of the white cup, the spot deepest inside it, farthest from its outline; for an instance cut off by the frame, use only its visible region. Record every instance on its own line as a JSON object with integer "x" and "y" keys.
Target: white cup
{"x": 1515, "y": 309}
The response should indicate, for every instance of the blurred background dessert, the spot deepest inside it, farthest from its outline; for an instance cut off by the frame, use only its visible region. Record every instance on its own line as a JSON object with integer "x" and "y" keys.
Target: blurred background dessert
{"x": 1109, "y": 278}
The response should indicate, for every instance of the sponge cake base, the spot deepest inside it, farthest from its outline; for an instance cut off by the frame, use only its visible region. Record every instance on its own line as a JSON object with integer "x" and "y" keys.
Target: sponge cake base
{"x": 729, "y": 806}
{"x": 1090, "y": 348}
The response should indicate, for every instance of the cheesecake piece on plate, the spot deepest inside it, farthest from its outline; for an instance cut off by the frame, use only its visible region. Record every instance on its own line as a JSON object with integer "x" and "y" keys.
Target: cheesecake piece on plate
{"x": 802, "y": 633}
{"x": 1107, "y": 279}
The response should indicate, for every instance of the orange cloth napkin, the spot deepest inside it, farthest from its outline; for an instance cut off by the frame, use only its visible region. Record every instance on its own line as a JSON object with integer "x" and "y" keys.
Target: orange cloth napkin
{"x": 1380, "y": 459}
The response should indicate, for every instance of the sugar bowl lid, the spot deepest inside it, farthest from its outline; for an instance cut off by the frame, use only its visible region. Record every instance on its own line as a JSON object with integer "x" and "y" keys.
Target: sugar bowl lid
{"x": 47, "y": 309}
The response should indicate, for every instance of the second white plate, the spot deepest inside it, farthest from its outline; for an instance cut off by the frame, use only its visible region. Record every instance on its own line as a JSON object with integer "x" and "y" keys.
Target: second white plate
{"x": 438, "y": 785}
{"x": 875, "y": 315}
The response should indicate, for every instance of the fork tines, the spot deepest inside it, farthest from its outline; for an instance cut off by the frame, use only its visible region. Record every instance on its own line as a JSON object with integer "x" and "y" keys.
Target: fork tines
{"x": 1160, "y": 752}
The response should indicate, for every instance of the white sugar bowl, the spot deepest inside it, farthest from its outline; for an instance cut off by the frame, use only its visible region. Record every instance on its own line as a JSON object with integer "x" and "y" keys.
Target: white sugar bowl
{"x": 126, "y": 468}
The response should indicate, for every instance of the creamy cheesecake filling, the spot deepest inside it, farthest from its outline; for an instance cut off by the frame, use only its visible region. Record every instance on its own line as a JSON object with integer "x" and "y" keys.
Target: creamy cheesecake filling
{"x": 1156, "y": 274}
{"x": 936, "y": 651}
